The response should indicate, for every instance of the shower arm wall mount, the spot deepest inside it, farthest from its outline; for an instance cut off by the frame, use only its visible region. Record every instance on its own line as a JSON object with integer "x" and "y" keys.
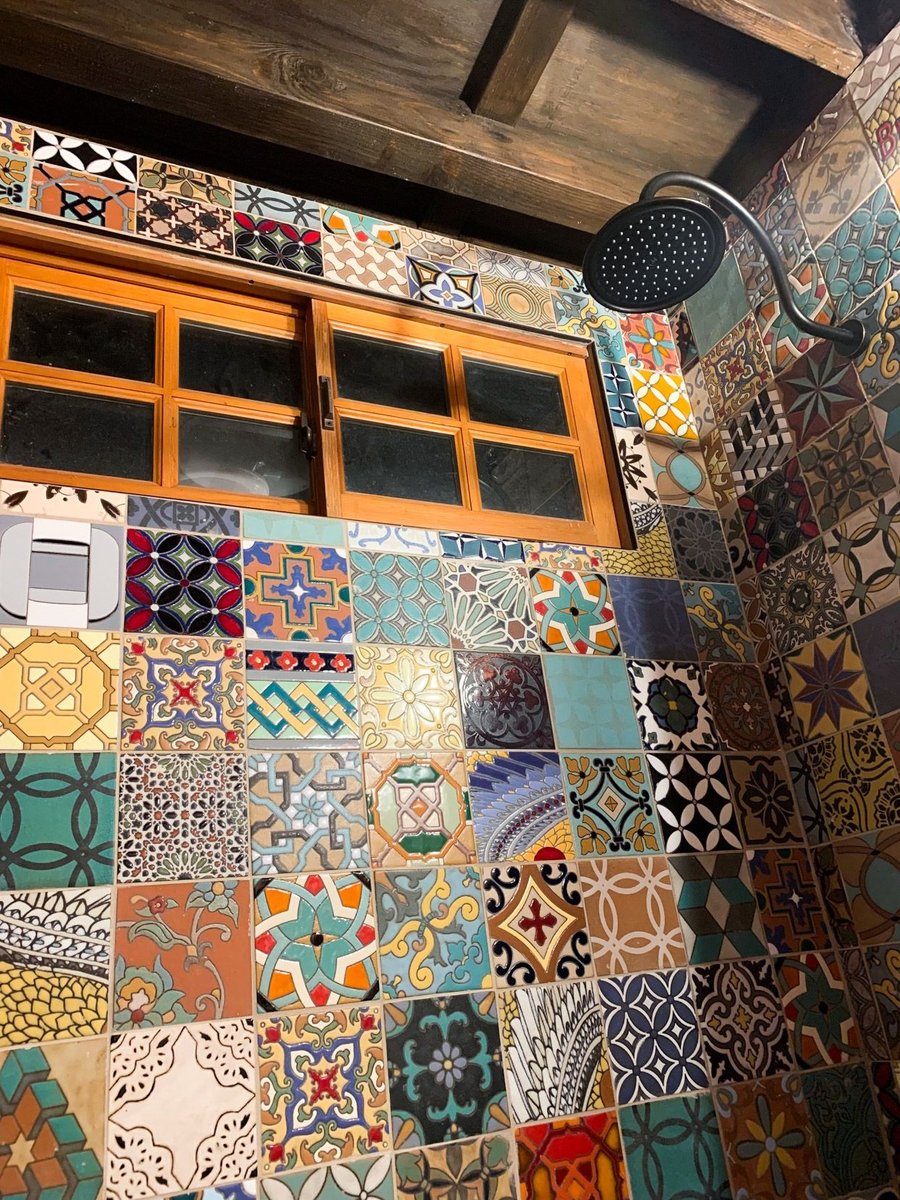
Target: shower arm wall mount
{"x": 849, "y": 338}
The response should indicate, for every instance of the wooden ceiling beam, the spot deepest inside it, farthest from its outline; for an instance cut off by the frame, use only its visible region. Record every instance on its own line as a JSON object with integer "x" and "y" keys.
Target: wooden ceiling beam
{"x": 449, "y": 149}
{"x": 515, "y": 53}
{"x": 819, "y": 31}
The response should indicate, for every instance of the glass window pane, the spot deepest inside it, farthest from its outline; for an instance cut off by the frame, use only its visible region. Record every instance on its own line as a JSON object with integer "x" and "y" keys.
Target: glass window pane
{"x": 71, "y": 431}
{"x": 229, "y": 454}
{"x": 78, "y": 335}
{"x": 230, "y": 363}
{"x": 540, "y": 482}
{"x": 513, "y": 396}
{"x": 383, "y": 460}
{"x": 379, "y": 372}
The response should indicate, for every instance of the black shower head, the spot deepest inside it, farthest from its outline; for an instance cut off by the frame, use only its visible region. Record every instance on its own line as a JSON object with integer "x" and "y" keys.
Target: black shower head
{"x": 654, "y": 254}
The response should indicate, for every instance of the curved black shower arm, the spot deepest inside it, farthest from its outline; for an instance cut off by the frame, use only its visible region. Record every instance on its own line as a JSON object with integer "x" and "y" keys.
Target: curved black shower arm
{"x": 850, "y": 337}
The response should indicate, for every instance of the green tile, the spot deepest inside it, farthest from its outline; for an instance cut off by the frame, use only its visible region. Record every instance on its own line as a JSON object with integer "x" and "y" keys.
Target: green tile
{"x": 591, "y": 702}
{"x": 719, "y": 306}
{"x": 285, "y": 527}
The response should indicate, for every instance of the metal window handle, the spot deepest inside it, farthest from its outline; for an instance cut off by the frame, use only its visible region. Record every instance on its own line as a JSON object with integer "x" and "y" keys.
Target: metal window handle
{"x": 308, "y": 443}
{"x": 326, "y": 402}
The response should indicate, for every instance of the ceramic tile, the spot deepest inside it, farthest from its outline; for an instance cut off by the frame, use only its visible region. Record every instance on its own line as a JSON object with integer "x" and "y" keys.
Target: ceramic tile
{"x": 653, "y": 555}
{"x": 182, "y": 953}
{"x": 302, "y": 711}
{"x": 185, "y": 183}
{"x": 736, "y": 369}
{"x": 575, "y": 312}
{"x": 267, "y": 242}
{"x": 490, "y": 549}
{"x": 518, "y": 806}
{"x": 846, "y": 468}
{"x": 572, "y": 1159}
{"x": 54, "y": 964}
{"x": 84, "y": 198}
{"x": 418, "y": 809}
{"x": 573, "y": 611}
{"x": 698, "y": 545}
{"x": 834, "y": 895}
{"x": 764, "y": 192}
{"x": 15, "y": 136}
{"x": 754, "y": 267}
{"x": 828, "y": 685}
{"x": 52, "y": 501}
{"x": 488, "y": 606}
{"x": 504, "y": 701}
{"x": 15, "y": 178}
{"x": 338, "y": 1181}
{"x": 398, "y": 598}
{"x": 60, "y": 573}
{"x": 314, "y": 941}
{"x": 757, "y": 440}
{"x": 886, "y": 414}
{"x": 745, "y": 1035}
{"x": 801, "y": 598}
{"x": 671, "y": 706}
{"x": 444, "y": 286}
{"x": 819, "y": 133}
{"x": 58, "y": 691}
{"x": 482, "y": 1165}
{"x": 768, "y": 1142}
{"x": 431, "y": 931}
{"x": 554, "y": 1051}
{"x": 685, "y": 339}
{"x": 183, "y": 583}
{"x": 700, "y": 400}
{"x": 53, "y": 1099}
{"x": 296, "y": 592}
{"x": 181, "y": 817}
{"x": 511, "y": 266}
{"x": 782, "y": 220}
{"x": 57, "y": 819}
{"x": 821, "y": 1028}
{"x": 837, "y": 181}
{"x": 693, "y": 801}
{"x": 307, "y": 811}
{"x": 845, "y": 1128}
{"x": 591, "y": 701}
{"x": 408, "y": 699}
{"x": 653, "y": 1036}
{"x": 323, "y": 1087}
{"x": 680, "y": 474}
{"x": 783, "y": 341}
{"x": 756, "y": 618}
{"x": 57, "y": 150}
{"x": 620, "y": 395}
{"x": 182, "y": 693}
{"x": 398, "y": 539}
{"x": 188, "y": 224}
{"x": 717, "y": 620}
{"x": 764, "y": 799}
{"x": 528, "y": 304}
{"x": 187, "y": 516}
{"x": 883, "y": 964}
{"x": 649, "y": 343}
{"x": 718, "y": 306}
{"x": 536, "y": 923}
{"x": 634, "y": 462}
{"x": 742, "y": 561}
{"x": 631, "y": 913}
{"x": 862, "y": 1002}
{"x": 781, "y": 703}
{"x": 298, "y": 530}
{"x": 862, "y": 253}
{"x": 878, "y": 637}
{"x": 887, "y": 1099}
{"x": 856, "y": 780}
{"x": 560, "y": 556}
{"x": 445, "y": 1069}
{"x": 785, "y": 888}
{"x": 424, "y": 243}
{"x": 651, "y": 617}
{"x": 718, "y": 470}
{"x": 717, "y": 906}
{"x": 778, "y": 515}
{"x": 369, "y": 266}
{"x": 360, "y": 228}
{"x": 611, "y": 806}
{"x": 880, "y": 114}
{"x": 675, "y": 1139}
{"x": 870, "y": 868}
{"x": 663, "y": 404}
{"x": 880, "y": 316}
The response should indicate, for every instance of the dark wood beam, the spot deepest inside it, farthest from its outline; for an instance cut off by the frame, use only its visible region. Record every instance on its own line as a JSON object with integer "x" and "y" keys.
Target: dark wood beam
{"x": 513, "y": 57}
{"x": 818, "y": 31}
{"x": 270, "y": 97}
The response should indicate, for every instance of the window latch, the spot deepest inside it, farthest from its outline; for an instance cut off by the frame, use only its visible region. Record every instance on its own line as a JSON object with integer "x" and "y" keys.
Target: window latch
{"x": 308, "y": 443}
{"x": 326, "y": 403}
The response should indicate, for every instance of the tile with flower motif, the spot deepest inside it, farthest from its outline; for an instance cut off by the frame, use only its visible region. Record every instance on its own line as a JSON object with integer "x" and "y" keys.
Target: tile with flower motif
{"x": 398, "y": 598}
{"x": 488, "y": 606}
{"x": 15, "y": 176}
{"x": 182, "y": 953}
{"x": 15, "y": 136}
{"x": 444, "y": 286}
{"x": 736, "y": 369}
{"x": 559, "y": 556}
{"x": 828, "y": 686}
{"x": 783, "y": 341}
{"x": 574, "y": 612}
{"x": 408, "y": 698}
{"x": 846, "y": 1131}
{"x": 611, "y": 806}
{"x": 649, "y": 343}
{"x": 481, "y": 1165}
{"x": 663, "y": 404}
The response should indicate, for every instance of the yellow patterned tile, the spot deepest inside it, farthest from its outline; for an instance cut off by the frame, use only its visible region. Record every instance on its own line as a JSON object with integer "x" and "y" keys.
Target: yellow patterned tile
{"x": 663, "y": 404}
{"x": 408, "y": 698}
{"x": 58, "y": 690}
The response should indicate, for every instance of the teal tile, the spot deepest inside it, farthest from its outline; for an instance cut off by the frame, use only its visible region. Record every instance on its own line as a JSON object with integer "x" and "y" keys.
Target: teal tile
{"x": 718, "y": 307}
{"x": 285, "y": 527}
{"x": 674, "y": 1140}
{"x": 56, "y": 819}
{"x": 591, "y": 702}
{"x": 398, "y": 599}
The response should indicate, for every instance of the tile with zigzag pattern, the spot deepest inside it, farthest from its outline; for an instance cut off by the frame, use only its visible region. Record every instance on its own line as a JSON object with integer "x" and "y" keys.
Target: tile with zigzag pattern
{"x": 301, "y": 713}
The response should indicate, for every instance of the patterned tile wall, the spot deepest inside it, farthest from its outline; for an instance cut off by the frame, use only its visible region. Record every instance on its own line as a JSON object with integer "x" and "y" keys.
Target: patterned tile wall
{"x": 575, "y": 874}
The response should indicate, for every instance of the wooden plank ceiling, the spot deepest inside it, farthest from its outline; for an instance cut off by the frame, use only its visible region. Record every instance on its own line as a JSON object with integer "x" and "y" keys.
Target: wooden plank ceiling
{"x": 525, "y": 123}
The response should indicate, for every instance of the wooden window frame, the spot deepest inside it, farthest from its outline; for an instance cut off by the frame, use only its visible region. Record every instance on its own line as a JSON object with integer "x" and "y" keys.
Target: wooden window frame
{"x": 205, "y": 286}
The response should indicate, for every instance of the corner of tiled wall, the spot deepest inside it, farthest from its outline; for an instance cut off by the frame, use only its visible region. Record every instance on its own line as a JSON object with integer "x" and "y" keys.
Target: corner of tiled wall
{"x": 468, "y": 864}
